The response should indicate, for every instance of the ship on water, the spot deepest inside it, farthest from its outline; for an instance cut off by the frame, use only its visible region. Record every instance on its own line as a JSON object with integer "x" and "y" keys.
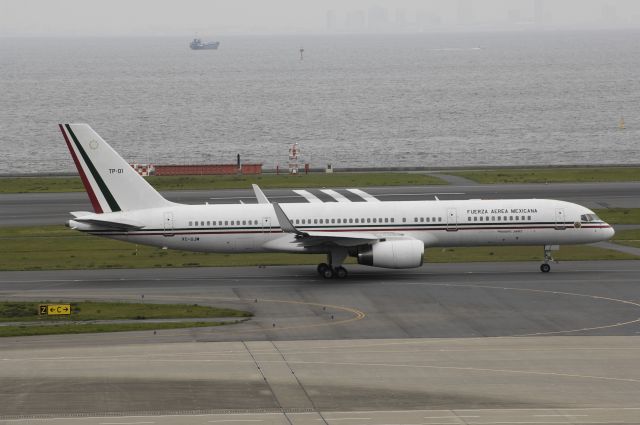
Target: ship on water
{"x": 198, "y": 44}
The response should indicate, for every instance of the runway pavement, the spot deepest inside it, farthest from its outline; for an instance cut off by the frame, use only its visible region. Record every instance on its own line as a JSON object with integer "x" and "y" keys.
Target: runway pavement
{"x": 444, "y": 344}
{"x": 53, "y": 208}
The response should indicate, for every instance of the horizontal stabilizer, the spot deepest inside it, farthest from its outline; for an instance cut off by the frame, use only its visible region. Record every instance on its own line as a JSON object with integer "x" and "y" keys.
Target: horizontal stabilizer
{"x": 80, "y": 213}
{"x": 122, "y": 224}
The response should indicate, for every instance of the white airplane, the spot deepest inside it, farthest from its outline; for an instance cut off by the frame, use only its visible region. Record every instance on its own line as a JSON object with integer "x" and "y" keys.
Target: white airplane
{"x": 380, "y": 234}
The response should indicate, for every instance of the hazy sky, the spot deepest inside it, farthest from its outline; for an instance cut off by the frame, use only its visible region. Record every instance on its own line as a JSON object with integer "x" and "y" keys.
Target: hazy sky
{"x": 212, "y": 17}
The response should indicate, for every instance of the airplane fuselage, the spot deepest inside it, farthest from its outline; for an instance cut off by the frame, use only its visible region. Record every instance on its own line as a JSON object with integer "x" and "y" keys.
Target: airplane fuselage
{"x": 255, "y": 227}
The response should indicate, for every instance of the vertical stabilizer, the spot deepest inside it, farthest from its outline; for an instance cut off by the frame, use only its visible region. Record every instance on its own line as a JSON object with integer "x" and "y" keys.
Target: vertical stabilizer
{"x": 111, "y": 183}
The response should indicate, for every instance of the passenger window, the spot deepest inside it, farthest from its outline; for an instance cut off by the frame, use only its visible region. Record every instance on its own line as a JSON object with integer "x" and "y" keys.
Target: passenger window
{"x": 244, "y": 222}
{"x": 415, "y": 219}
{"x": 529, "y": 218}
{"x": 368, "y": 220}
{"x": 493, "y": 218}
{"x": 481, "y": 218}
{"x": 333, "y": 220}
{"x": 421, "y": 219}
{"x": 522, "y": 218}
{"x": 440, "y": 219}
{"x": 404, "y": 219}
{"x": 350, "y": 220}
{"x": 190, "y": 223}
{"x": 226, "y": 222}
{"x": 357, "y": 221}
{"x": 392, "y": 220}
{"x": 517, "y": 218}
{"x": 499, "y": 218}
{"x": 510, "y": 218}
{"x": 315, "y": 221}
{"x": 375, "y": 220}
{"x": 202, "y": 223}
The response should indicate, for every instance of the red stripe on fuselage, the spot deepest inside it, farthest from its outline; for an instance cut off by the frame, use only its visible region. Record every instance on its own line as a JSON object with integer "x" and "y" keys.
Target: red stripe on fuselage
{"x": 85, "y": 181}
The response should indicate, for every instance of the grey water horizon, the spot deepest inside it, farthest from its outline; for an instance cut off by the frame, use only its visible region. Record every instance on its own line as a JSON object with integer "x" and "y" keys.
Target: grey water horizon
{"x": 419, "y": 100}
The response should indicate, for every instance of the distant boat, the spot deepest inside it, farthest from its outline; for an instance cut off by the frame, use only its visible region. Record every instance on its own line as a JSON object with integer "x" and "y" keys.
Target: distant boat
{"x": 198, "y": 44}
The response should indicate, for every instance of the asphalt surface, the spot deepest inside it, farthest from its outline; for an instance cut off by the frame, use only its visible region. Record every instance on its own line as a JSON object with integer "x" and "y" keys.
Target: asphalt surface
{"x": 53, "y": 208}
{"x": 444, "y": 344}
{"x": 461, "y": 344}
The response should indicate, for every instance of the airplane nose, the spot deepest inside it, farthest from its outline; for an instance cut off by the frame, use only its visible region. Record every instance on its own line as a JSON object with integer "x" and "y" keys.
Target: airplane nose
{"x": 610, "y": 232}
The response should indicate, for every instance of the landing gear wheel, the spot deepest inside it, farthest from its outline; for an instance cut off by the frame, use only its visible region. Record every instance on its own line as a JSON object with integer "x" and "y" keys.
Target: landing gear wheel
{"x": 328, "y": 273}
{"x": 322, "y": 267}
{"x": 341, "y": 272}
{"x": 545, "y": 268}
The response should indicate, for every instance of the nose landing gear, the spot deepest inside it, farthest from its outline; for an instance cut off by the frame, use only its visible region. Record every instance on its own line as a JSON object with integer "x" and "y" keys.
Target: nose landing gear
{"x": 545, "y": 267}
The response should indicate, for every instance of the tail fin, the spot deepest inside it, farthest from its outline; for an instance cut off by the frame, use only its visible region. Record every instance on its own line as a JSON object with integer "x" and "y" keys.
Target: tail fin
{"x": 111, "y": 183}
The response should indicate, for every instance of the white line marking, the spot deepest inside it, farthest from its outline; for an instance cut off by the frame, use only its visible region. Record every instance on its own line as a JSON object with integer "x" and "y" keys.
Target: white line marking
{"x": 421, "y": 194}
{"x": 562, "y": 416}
{"x": 308, "y": 196}
{"x": 335, "y": 195}
{"x": 449, "y": 417}
{"x": 236, "y": 420}
{"x": 345, "y": 419}
{"x": 364, "y": 195}
{"x": 125, "y": 423}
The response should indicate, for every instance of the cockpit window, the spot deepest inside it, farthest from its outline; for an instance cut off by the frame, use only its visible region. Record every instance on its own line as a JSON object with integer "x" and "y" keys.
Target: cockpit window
{"x": 589, "y": 218}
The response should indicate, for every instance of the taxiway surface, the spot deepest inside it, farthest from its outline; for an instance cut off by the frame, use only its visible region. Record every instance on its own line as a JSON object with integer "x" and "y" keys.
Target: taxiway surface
{"x": 444, "y": 344}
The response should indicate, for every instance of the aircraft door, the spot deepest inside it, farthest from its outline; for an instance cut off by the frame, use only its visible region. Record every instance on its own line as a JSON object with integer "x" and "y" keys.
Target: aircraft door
{"x": 266, "y": 227}
{"x": 560, "y": 219}
{"x": 168, "y": 224}
{"x": 452, "y": 220}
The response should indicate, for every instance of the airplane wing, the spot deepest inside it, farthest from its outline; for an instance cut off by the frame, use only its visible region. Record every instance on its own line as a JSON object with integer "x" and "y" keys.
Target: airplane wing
{"x": 314, "y": 238}
{"x": 260, "y": 196}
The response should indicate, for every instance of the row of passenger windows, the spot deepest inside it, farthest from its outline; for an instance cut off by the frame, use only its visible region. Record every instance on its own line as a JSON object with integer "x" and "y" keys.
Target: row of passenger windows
{"x": 224, "y": 223}
{"x": 427, "y": 219}
{"x": 500, "y": 218}
{"x": 345, "y": 220}
{"x": 203, "y": 223}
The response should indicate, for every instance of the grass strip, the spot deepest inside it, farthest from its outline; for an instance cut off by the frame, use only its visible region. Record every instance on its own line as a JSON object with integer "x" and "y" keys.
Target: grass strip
{"x": 619, "y": 215}
{"x": 553, "y": 175}
{"x": 27, "y": 311}
{"x": 9, "y": 331}
{"x": 312, "y": 180}
{"x": 59, "y": 248}
{"x": 628, "y": 238}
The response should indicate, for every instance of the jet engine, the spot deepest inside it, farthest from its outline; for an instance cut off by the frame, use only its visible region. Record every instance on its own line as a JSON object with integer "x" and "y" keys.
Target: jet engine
{"x": 393, "y": 254}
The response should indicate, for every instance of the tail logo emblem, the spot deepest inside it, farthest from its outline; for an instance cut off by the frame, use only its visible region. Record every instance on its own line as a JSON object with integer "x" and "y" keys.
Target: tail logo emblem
{"x": 93, "y": 144}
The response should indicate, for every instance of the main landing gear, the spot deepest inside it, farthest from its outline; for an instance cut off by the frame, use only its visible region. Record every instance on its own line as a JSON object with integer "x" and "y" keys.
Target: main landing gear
{"x": 545, "y": 267}
{"x": 333, "y": 267}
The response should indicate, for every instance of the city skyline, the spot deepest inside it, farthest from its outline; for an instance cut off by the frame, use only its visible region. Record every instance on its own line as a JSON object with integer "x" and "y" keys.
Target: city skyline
{"x": 149, "y": 18}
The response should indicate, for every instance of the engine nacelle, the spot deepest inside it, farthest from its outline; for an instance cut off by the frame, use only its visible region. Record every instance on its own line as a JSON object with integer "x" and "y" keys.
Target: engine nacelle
{"x": 393, "y": 254}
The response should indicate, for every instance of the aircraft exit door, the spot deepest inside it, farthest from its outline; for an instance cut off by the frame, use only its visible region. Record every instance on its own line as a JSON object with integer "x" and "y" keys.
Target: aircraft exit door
{"x": 168, "y": 224}
{"x": 452, "y": 220}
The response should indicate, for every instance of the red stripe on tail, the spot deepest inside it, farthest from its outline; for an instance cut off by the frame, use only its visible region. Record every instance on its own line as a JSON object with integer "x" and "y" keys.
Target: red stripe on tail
{"x": 85, "y": 181}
